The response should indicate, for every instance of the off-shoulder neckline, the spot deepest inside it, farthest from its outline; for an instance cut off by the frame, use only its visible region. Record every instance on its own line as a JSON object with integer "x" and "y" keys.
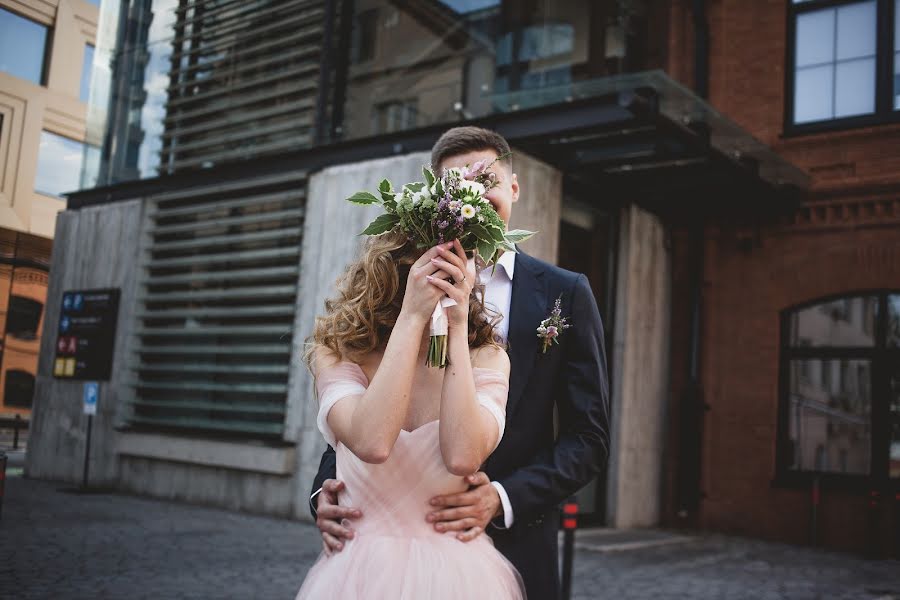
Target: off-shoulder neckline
{"x": 368, "y": 381}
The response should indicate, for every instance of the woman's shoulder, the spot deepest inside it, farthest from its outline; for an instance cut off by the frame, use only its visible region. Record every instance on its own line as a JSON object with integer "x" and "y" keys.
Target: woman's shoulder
{"x": 491, "y": 356}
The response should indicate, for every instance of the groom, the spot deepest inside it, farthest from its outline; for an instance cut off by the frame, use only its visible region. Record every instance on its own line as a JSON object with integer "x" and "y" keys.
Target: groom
{"x": 534, "y": 468}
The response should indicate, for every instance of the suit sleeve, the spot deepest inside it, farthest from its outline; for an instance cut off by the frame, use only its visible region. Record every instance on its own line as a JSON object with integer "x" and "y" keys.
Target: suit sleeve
{"x": 327, "y": 470}
{"x": 582, "y": 446}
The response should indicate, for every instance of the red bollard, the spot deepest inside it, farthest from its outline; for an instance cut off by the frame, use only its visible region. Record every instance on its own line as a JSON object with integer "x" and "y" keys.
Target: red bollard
{"x": 570, "y": 524}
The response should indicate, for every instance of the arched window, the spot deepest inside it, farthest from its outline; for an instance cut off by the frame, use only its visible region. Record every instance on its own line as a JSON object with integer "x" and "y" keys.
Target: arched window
{"x": 840, "y": 389}
{"x": 19, "y": 388}
{"x": 23, "y": 318}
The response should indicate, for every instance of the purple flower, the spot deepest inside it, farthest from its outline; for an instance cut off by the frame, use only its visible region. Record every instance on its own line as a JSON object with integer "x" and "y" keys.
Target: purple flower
{"x": 552, "y": 332}
{"x": 443, "y": 224}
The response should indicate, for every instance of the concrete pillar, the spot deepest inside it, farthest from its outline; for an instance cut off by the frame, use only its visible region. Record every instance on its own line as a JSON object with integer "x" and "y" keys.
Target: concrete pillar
{"x": 94, "y": 247}
{"x": 641, "y": 363}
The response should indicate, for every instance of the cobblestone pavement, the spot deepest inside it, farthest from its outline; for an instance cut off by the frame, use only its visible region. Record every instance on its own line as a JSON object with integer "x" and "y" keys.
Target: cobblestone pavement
{"x": 60, "y": 545}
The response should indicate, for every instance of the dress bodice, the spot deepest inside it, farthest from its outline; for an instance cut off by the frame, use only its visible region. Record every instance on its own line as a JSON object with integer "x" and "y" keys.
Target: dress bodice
{"x": 393, "y": 496}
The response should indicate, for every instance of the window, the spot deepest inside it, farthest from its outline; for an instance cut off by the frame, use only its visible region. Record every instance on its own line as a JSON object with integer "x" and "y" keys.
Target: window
{"x": 840, "y": 405}
{"x": 23, "y": 46}
{"x": 836, "y": 75}
{"x": 59, "y": 165}
{"x": 395, "y": 116}
{"x": 19, "y": 388}
{"x": 23, "y": 318}
{"x": 363, "y": 44}
{"x": 86, "y": 67}
{"x": 896, "y": 54}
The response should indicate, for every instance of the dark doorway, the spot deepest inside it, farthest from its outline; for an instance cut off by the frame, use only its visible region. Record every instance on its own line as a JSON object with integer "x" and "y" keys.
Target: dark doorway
{"x": 587, "y": 244}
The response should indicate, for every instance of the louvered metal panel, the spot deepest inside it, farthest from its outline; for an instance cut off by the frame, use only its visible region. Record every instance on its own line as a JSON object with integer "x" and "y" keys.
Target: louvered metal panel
{"x": 216, "y": 301}
{"x": 244, "y": 82}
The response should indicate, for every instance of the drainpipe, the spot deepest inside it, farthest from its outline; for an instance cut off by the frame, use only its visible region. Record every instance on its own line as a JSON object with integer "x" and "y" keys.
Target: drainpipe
{"x": 693, "y": 407}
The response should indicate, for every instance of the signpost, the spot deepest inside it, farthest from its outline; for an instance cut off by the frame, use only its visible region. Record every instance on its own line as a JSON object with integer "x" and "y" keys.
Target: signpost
{"x": 91, "y": 392}
{"x": 87, "y": 333}
{"x": 84, "y": 348}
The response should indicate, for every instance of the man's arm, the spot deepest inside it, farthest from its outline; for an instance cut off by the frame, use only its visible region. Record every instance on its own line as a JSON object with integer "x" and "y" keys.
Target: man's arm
{"x": 582, "y": 447}
{"x": 327, "y": 470}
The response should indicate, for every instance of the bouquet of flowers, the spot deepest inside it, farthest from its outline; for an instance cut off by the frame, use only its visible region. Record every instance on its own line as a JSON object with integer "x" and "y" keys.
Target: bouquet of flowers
{"x": 439, "y": 210}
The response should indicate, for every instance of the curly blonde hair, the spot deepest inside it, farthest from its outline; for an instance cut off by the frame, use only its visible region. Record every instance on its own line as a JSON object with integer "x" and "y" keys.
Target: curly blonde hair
{"x": 359, "y": 319}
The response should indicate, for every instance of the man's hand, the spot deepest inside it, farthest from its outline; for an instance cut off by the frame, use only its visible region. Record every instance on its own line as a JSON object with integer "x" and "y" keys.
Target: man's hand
{"x": 467, "y": 512}
{"x": 330, "y": 517}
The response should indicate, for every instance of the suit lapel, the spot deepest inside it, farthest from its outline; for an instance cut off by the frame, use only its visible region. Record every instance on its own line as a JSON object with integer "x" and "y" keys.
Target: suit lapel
{"x": 527, "y": 307}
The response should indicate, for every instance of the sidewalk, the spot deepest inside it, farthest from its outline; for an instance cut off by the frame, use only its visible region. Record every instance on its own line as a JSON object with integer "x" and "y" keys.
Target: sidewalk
{"x": 57, "y": 544}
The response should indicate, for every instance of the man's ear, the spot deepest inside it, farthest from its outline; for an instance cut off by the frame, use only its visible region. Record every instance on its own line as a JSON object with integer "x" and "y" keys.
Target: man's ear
{"x": 514, "y": 184}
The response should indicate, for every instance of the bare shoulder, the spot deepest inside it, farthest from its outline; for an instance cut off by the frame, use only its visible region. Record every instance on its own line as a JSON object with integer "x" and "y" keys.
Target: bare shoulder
{"x": 322, "y": 357}
{"x": 491, "y": 357}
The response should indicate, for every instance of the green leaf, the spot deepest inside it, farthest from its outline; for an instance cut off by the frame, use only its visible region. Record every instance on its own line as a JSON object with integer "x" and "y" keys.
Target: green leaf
{"x": 384, "y": 186}
{"x": 416, "y": 186}
{"x": 507, "y": 247}
{"x": 486, "y": 250}
{"x": 518, "y": 235}
{"x": 363, "y": 198}
{"x": 496, "y": 232}
{"x": 481, "y": 233}
{"x": 439, "y": 189}
{"x": 382, "y": 224}
{"x": 429, "y": 176}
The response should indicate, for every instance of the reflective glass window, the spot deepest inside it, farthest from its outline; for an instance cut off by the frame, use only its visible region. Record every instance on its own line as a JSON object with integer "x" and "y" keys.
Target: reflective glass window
{"x": 59, "y": 165}
{"x": 22, "y": 46}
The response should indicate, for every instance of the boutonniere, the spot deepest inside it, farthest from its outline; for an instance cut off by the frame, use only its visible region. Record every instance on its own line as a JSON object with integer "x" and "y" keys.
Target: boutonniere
{"x": 551, "y": 327}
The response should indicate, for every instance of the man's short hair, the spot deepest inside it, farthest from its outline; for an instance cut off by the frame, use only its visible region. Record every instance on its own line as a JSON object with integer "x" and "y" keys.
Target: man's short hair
{"x": 461, "y": 140}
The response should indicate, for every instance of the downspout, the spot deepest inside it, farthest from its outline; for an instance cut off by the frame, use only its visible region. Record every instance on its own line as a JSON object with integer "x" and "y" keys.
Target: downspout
{"x": 693, "y": 407}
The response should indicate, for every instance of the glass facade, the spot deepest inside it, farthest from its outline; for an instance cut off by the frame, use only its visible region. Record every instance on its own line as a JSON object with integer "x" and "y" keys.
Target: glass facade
{"x": 185, "y": 86}
{"x": 23, "y": 44}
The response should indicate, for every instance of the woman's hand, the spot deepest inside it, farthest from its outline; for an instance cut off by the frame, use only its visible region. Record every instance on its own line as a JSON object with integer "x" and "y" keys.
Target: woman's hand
{"x": 421, "y": 296}
{"x": 454, "y": 263}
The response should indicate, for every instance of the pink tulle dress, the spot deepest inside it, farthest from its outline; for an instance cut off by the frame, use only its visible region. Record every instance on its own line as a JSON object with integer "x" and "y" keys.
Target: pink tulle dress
{"x": 395, "y": 553}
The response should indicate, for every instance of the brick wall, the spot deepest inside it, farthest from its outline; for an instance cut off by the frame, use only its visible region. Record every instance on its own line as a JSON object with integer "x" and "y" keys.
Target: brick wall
{"x": 845, "y": 238}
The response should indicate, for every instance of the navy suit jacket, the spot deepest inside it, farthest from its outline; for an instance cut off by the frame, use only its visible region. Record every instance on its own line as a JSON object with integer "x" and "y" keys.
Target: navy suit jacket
{"x": 537, "y": 466}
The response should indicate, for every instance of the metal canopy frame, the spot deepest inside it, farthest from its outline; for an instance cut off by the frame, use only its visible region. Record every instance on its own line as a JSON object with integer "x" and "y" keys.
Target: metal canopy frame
{"x": 632, "y": 138}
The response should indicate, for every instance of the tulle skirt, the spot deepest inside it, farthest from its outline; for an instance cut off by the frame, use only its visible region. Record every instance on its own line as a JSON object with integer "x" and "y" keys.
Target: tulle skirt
{"x": 436, "y": 567}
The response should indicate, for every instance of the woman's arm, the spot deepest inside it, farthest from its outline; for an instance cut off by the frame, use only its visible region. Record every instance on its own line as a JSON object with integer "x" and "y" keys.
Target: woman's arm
{"x": 369, "y": 424}
{"x": 468, "y": 431}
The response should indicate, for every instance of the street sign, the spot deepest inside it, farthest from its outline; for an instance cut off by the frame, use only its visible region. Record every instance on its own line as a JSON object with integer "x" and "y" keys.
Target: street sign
{"x": 87, "y": 333}
{"x": 91, "y": 391}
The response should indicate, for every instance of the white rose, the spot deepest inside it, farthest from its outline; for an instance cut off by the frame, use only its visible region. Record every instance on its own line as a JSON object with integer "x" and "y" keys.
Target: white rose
{"x": 472, "y": 186}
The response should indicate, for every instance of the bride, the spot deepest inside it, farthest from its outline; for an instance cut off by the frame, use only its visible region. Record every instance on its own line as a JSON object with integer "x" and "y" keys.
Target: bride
{"x": 404, "y": 432}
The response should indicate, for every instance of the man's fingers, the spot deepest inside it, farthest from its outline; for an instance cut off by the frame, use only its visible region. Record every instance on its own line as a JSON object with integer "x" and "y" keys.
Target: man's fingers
{"x": 461, "y": 499}
{"x": 334, "y": 544}
{"x": 479, "y": 478}
{"x": 452, "y": 514}
{"x": 471, "y": 534}
{"x": 458, "y": 525}
{"x": 332, "y": 486}
{"x": 335, "y": 529}
{"x": 334, "y": 511}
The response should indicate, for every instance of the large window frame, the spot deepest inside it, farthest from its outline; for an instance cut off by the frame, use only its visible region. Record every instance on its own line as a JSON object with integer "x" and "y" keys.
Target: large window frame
{"x": 884, "y": 70}
{"x": 880, "y": 356}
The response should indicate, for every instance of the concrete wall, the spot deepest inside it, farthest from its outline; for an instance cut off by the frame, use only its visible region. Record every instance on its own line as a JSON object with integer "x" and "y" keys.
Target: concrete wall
{"x": 640, "y": 381}
{"x": 93, "y": 248}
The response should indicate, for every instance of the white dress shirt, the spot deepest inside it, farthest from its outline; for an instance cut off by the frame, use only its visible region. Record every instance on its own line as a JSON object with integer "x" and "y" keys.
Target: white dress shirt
{"x": 497, "y": 297}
